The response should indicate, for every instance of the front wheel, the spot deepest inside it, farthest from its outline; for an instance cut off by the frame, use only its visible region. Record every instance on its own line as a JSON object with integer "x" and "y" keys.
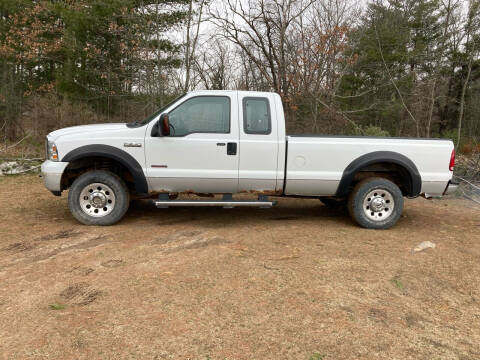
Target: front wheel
{"x": 98, "y": 198}
{"x": 376, "y": 203}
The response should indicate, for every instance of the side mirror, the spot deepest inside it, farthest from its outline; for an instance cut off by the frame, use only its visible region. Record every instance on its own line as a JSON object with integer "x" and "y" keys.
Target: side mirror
{"x": 162, "y": 127}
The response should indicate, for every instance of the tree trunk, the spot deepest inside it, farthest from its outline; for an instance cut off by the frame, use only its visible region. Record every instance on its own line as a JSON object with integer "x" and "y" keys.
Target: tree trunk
{"x": 462, "y": 100}
{"x": 432, "y": 106}
{"x": 187, "y": 48}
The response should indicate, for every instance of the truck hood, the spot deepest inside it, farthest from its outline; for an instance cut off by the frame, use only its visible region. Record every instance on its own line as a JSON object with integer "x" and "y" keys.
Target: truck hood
{"x": 85, "y": 130}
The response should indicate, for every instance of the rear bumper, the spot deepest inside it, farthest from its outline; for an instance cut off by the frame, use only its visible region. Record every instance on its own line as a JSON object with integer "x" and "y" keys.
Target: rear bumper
{"x": 52, "y": 172}
{"x": 451, "y": 188}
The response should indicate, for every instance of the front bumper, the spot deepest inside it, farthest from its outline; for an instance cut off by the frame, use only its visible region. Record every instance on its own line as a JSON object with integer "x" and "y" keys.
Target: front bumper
{"x": 451, "y": 188}
{"x": 52, "y": 172}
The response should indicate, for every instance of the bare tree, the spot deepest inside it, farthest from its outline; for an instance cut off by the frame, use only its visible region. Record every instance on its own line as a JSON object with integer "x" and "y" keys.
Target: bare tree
{"x": 194, "y": 21}
{"x": 318, "y": 62}
{"x": 215, "y": 65}
{"x": 260, "y": 29}
{"x": 293, "y": 47}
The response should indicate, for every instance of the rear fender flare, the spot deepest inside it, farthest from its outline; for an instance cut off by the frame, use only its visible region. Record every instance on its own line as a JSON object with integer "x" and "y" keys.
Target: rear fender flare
{"x": 414, "y": 188}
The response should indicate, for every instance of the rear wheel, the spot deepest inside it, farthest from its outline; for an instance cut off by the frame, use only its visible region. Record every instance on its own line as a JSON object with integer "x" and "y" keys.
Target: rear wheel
{"x": 98, "y": 198}
{"x": 376, "y": 203}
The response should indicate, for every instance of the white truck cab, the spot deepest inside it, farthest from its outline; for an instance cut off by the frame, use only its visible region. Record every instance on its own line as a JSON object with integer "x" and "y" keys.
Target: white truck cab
{"x": 230, "y": 142}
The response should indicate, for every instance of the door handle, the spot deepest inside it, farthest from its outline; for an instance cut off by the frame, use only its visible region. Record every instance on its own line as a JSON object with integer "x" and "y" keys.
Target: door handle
{"x": 220, "y": 144}
{"x": 232, "y": 148}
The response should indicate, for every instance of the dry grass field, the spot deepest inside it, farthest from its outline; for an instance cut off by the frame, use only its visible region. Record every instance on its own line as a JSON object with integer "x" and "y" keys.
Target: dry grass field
{"x": 294, "y": 282}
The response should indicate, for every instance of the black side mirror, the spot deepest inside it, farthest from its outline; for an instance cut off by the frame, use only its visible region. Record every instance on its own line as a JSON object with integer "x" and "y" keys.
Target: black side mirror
{"x": 164, "y": 125}
{"x": 161, "y": 127}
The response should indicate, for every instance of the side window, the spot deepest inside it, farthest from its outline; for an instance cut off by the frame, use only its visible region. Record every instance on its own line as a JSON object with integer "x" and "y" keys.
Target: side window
{"x": 256, "y": 116}
{"x": 201, "y": 114}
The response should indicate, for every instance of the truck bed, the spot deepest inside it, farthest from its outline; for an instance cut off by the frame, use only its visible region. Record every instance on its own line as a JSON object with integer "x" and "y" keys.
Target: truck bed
{"x": 315, "y": 164}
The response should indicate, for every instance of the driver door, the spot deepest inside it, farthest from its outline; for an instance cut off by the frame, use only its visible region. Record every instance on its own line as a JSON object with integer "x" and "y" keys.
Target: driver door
{"x": 202, "y": 153}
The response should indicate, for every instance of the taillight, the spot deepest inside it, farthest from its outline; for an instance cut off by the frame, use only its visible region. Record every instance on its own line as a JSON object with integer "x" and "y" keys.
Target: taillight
{"x": 452, "y": 160}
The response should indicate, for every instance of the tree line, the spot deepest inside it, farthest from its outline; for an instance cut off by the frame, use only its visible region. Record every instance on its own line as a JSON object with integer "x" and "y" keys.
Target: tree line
{"x": 388, "y": 68}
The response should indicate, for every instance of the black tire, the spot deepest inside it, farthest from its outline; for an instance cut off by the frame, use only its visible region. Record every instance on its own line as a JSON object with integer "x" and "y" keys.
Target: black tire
{"x": 375, "y": 203}
{"x": 117, "y": 208}
{"x": 334, "y": 203}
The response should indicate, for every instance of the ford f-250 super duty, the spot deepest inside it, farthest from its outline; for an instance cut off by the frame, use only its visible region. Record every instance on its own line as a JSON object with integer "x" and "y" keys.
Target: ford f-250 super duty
{"x": 231, "y": 142}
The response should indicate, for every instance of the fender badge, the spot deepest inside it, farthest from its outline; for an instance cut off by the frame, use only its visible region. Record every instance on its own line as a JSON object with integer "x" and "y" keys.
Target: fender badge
{"x": 131, "y": 144}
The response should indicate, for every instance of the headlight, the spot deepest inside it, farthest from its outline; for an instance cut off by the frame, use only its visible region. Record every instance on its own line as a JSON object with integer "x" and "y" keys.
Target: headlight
{"x": 52, "y": 153}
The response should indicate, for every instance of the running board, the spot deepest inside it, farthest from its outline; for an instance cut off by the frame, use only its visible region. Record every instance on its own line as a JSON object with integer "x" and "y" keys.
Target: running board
{"x": 227, "y": 202}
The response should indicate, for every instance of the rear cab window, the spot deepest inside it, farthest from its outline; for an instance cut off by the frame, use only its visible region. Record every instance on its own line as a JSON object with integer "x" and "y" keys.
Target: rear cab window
{"x": 256, "y": 116}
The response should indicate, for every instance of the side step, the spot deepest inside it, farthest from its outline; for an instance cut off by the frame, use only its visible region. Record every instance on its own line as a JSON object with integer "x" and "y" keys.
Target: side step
{"x": 227, "y": 202}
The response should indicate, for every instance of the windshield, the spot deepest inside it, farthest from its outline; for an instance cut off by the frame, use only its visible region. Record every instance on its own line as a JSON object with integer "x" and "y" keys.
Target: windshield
{"x": 155, "y": 114}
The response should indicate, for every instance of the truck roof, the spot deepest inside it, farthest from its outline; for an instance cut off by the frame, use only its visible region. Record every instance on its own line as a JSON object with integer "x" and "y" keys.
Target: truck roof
{"x": 221, "y": 92}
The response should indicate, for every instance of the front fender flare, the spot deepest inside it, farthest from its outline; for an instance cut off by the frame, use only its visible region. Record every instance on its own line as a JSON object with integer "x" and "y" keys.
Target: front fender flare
{"x": 415, "y": 186}
{"x": 111, "y": 152}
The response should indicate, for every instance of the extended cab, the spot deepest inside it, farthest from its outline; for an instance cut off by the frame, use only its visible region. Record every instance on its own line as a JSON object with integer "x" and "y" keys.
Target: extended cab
{"x": 230, "y": 142}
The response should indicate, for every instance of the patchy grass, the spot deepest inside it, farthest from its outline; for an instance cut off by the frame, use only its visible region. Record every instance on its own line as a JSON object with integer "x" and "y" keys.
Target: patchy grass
{"x": 57, "y": 306}
{"x": 397, "y": 283}
{"x": 29, "y": 148}
{"x": 293, "y": 282}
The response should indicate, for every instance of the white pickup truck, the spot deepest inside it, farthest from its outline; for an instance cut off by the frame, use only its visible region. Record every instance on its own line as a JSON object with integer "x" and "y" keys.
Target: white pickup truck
{"x": 232, "y": 142}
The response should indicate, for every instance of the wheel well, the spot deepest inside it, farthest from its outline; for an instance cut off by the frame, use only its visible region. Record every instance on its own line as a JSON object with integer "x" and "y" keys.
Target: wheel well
{"x": 78, "y": 167}
{"x": 396, "y": 173}
{"x": 388, "y": 164}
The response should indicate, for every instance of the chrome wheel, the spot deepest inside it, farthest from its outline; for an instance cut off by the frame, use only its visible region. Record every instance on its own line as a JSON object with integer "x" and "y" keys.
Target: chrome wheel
{"x": 97, "y": 200}
{"x": 378, "y": 205}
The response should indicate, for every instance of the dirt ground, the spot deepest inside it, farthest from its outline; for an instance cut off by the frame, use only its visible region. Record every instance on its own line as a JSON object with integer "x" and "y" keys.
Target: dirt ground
{"x": 294, "y": 282}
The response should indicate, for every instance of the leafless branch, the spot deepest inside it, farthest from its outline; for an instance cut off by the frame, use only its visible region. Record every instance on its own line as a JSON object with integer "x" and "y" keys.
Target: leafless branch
{"x": 12, "y": 146}
{"x": 353, "y": 123}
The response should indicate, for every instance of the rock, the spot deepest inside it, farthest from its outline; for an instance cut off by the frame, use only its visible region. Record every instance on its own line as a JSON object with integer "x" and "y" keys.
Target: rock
{"x": 7, "y": 167}
{"x": 424, "y": 245}
{"x": 15, "y": 167}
